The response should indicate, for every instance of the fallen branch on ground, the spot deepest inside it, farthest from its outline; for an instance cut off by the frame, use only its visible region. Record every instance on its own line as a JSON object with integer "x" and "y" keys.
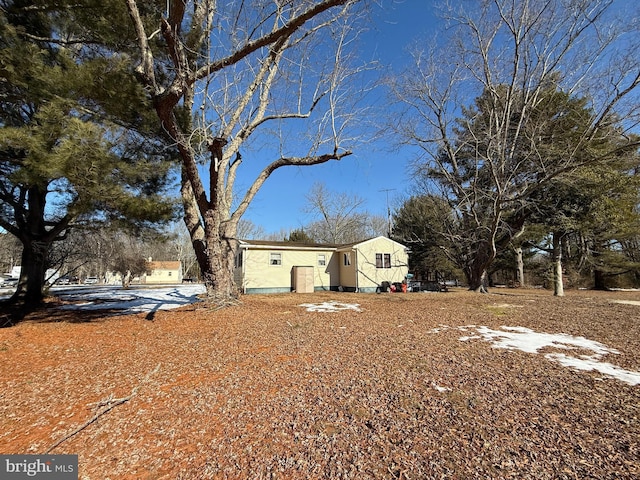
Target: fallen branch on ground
{"x": 104, "y": 406}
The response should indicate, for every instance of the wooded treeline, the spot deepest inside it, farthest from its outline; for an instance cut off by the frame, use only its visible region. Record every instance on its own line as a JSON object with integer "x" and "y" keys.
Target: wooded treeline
{"x": 525, "y": 113}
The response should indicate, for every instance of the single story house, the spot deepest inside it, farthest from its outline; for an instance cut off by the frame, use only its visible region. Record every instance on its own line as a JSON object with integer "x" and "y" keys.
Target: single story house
{"x": 162, "y": 272}
{"x": 276, "y": 267}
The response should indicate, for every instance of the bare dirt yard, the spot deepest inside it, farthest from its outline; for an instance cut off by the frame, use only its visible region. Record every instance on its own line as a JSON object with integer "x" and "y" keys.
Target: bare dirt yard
{"x": 391, "y": 386}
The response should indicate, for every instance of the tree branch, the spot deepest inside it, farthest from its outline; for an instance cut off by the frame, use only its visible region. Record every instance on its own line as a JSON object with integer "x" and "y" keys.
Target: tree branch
{"x": 283, "y": 162}
{"x": 104, "y": 406}
{"x": 283, "y": 32}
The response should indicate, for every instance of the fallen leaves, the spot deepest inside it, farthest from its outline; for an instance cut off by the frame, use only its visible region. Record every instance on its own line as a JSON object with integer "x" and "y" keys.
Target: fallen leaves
{"x": 251, "y": 392}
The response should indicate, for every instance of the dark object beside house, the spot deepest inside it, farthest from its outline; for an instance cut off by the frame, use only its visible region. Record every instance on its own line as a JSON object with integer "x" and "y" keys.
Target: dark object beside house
{"x": 417, "y": 286}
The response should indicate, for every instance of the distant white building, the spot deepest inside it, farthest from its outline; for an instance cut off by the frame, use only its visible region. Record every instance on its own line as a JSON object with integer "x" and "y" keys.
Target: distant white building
{"x": 163, "y": 272}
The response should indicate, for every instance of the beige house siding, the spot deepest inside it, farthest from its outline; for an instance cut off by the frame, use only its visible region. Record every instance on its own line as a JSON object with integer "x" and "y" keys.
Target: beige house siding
{"x": 268, "y": 267}
{"x": 163, "y": 272}
{"x": 391, "y": 265}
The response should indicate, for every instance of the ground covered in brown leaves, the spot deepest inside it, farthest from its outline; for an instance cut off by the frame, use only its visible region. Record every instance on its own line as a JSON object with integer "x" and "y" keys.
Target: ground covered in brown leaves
{"x": 267, "y": 389}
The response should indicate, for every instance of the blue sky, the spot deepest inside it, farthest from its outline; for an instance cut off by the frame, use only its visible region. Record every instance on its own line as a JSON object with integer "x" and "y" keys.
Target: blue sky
{"x": 374, "y": 167}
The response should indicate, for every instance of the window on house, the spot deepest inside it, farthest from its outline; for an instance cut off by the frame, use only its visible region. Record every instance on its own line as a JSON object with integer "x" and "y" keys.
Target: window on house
{"x": 238, "y": 262}
{"x": 275, "y": 259}
{"x": 347, "y": 259}
{"x": 322, "y": 260}
{"x": 383, "y": 260}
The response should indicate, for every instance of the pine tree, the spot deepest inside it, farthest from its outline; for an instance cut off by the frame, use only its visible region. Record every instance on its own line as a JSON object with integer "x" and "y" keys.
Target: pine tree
{"x": 72, "y": 152}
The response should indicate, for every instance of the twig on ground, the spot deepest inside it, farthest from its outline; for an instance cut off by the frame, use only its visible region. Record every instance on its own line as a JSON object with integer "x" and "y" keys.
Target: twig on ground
{"x": 104, "y": 406}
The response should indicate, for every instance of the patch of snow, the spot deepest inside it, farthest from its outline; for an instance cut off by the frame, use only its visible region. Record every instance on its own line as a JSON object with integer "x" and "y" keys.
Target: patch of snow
{"x": 440, "y": 328}
{"x": 627, "y": 302}
{"x": 470, "y": 337}
{"x": 439, "y": 388}
{"x": 331, "y": 306}
{"x": 527, "y": 340}
{"x": 594, "y": 363}
{"x": 131, "y": 300}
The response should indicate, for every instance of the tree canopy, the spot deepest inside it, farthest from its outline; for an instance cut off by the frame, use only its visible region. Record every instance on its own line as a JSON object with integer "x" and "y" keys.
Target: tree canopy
{"x": 72, "y": 152}
{"x": 540, "y": 110}
{"x": 222, "y": 76}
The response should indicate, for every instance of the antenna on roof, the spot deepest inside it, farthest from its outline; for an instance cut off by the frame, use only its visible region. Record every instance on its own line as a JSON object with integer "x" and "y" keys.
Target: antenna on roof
{"x": 387, "y": 190}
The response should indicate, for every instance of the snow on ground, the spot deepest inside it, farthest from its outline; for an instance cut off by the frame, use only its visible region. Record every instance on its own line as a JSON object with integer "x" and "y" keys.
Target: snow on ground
{"x": 139, "y": 299}
{"x": 136, "y": 299}
{"x": 627, "y": 302}
{"x": 439, "y": 388}
{"x": 527, "y": 340}
{"x": 331, "y": 306}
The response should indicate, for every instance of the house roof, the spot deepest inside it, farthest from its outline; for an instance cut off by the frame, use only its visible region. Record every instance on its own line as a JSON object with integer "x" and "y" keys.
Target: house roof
{"x": 288, "y": 245}
{"x": 362, "y": 242}
{"x": 160, "y": 265}
{"x": 308, "y": 245}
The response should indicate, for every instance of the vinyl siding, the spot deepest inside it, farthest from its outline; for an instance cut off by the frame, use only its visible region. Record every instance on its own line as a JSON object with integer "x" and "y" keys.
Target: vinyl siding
{"x": 257, "y": 275}
{"x": 260, "y": 276}
{"x": 369, "y": 276}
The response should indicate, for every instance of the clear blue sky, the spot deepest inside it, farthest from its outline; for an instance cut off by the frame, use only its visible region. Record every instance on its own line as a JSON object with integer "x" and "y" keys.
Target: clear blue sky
{"x": 372, "y": 168}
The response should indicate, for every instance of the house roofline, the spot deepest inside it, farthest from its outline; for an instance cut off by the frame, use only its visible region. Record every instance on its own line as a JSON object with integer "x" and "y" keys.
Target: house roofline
{"x": 264, "y": 245}
{"x": 362, "y": 242}
{"x": 283, "y": 245}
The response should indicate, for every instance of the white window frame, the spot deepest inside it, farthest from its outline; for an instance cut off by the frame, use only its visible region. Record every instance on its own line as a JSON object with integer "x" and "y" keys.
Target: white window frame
{"x": 322, "y": 260}
{"x": 275, "y": 259}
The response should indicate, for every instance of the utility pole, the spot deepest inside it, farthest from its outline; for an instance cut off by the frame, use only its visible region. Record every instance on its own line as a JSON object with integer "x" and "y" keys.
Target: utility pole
{"x": 387, "y": 190}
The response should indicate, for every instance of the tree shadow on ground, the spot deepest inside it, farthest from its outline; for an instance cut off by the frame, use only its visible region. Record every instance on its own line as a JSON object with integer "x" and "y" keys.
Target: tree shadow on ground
{"x": 50, "y": 312}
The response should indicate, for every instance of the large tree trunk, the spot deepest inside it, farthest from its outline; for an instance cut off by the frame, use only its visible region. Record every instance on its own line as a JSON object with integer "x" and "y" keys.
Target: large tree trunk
{"x": 477, "y": 278}
{"x": 476, "y": 270}
{"x": 214, "y": 243}
{"x": 36, "y": 243}
{"x": 219, "y": 272}
{"x": 519, "y": 267}
{"x": 29, "y": 291}
{"x": 558, "y": 284}
{"x": 599, "y": 280}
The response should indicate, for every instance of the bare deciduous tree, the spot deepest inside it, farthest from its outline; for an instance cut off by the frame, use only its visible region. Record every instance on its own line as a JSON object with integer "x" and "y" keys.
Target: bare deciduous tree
{"x": 340, "y": 218}
{"x": 507, "y": 61}
{"x": 247, "y": 70}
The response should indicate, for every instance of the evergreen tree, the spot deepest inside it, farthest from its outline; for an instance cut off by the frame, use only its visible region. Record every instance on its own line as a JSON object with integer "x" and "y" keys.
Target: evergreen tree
{"x": 552, "y": 93}
{"x": 72, "y": 152}
{"x": 428, "y": 226}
